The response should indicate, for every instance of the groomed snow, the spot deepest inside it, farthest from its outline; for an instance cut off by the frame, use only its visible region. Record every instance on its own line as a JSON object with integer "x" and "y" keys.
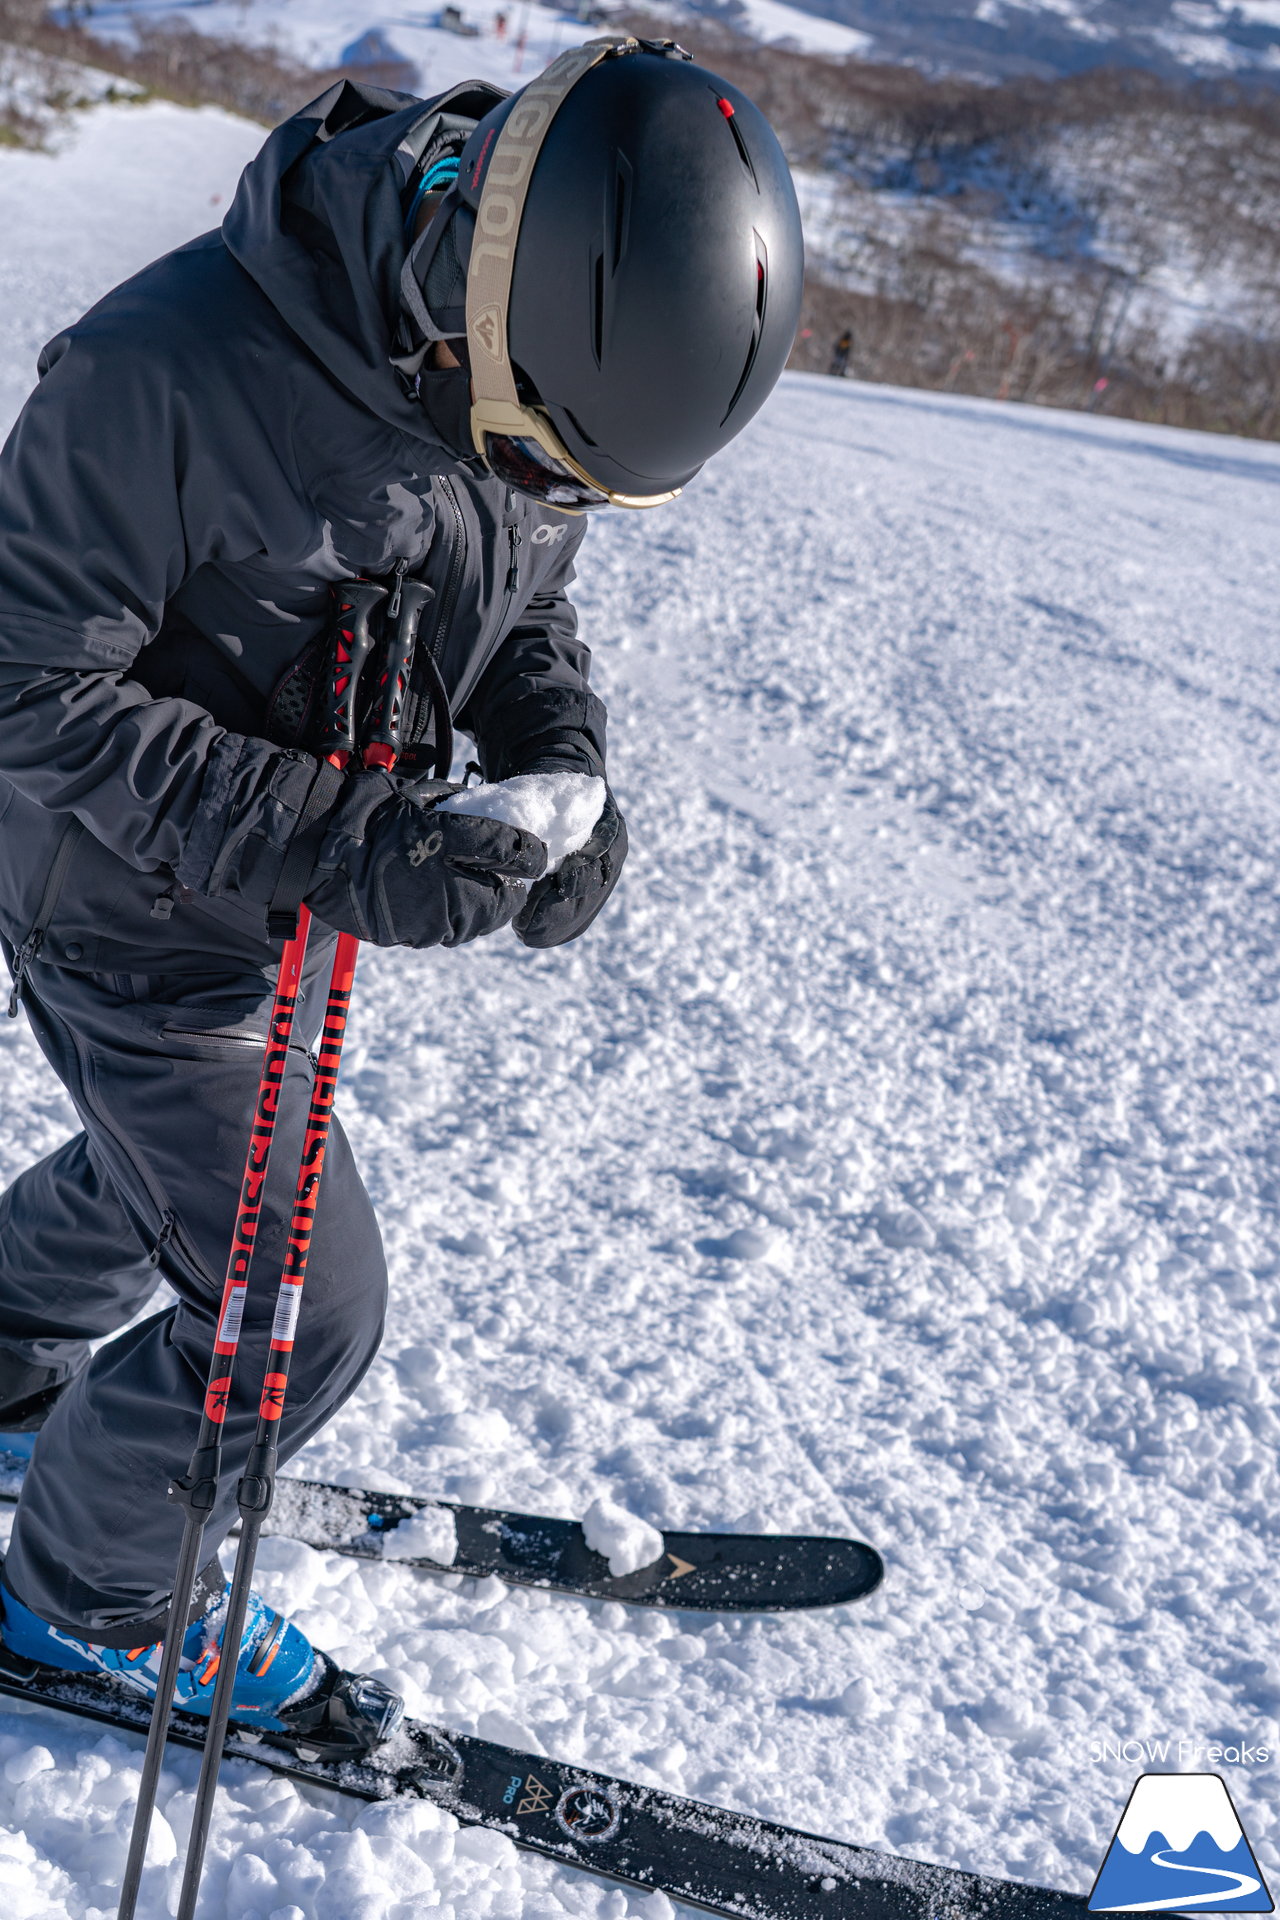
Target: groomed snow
{"x": 896, "y": 1156}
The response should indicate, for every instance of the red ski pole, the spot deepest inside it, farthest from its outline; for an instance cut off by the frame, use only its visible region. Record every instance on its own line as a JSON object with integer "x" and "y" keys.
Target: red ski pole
{"x": 257, "y": 1486}
{"x": 256, "y": 1489}
{"x": 197, "y": 1490}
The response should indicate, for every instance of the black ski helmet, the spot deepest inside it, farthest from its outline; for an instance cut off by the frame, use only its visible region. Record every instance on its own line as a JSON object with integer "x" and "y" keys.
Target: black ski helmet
{"x": 658, "y": 263}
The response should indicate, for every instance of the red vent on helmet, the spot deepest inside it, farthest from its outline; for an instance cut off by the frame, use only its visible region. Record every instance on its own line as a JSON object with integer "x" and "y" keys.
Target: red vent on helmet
{"x": 731, "y": 121}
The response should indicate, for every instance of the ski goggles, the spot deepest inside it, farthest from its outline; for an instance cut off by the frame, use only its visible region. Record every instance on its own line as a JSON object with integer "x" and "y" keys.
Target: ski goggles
{"x": 516, "y": 441}
{"x": 521, "y": 448}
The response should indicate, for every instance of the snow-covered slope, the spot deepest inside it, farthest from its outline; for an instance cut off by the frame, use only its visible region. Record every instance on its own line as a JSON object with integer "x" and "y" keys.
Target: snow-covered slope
{"x": 898, "y": 1155}
{"x": 995, "y": 38}
{"x": 323, "y": 33}
{"x": 130, "y": 183}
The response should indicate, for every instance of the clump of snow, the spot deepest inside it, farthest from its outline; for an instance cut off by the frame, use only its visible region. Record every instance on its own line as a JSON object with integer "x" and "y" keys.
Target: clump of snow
{"x": 561, "y": 808}
{"x": 430, "y": 1535}
{"x": 626, "y": 1541}
{"x": 746, "y": 1243}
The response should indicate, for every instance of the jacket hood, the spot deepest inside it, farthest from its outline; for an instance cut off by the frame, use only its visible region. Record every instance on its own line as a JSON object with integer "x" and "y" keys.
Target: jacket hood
{"x": 317, "y": 224}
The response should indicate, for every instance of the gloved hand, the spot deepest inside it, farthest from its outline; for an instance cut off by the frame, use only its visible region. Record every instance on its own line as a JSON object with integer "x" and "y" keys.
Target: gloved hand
{"x": 563, "y": 905}
{"x": 393, "y": 871}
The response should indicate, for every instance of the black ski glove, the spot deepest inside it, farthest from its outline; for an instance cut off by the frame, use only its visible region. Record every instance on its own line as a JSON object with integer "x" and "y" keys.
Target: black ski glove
{"x": 563, "y": 905}
{"x": 394, "y": 871}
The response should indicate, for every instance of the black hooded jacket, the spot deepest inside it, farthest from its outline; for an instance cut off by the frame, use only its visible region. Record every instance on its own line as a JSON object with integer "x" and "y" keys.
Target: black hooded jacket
{"x": 207, "y": 450}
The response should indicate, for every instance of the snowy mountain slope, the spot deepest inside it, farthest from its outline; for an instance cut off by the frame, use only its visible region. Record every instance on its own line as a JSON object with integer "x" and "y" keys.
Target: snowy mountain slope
{"x": 324, "y": 33}
{"x": 320, "y": 33}
{"x": 897, "y": 1155}
{"x": 995, "y": 38}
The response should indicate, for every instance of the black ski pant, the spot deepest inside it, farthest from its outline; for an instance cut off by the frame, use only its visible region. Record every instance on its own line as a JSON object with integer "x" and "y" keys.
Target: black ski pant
{"x": 163, "y": 1073}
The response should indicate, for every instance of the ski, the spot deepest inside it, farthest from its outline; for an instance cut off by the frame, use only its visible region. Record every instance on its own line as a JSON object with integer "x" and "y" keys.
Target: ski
{"x": 729, "y": 1863}
{"x": 702, "y": 1572}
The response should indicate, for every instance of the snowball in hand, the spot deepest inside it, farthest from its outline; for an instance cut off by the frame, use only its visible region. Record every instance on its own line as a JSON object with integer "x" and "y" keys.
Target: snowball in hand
{"x": 626, "y": 1541}
{"x": 561, "y": 808}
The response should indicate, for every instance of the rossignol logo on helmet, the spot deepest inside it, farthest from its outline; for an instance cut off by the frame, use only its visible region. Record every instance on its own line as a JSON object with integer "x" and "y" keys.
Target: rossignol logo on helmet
{"x": 486, "y": 330}
{"x": 502, "y": 198}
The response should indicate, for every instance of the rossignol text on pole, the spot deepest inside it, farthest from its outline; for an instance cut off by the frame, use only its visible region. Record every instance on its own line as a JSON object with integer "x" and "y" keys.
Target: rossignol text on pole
{"x": 197, "y": 1490}
{"x": 353, "y": 644}
{"x": 257, "y": 1485}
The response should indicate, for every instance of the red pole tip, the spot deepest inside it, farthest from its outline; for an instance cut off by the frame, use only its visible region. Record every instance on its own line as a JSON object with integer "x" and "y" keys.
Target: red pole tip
{"x": 726, "y": 108}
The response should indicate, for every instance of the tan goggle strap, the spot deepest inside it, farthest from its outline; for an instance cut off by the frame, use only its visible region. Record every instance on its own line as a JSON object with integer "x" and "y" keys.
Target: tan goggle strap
{"x": 501, "y": 210}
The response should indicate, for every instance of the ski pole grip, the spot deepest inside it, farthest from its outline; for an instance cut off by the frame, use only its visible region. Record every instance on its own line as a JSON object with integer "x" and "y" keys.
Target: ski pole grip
{"x": 386, "y": 734}
{"x": 354, "y": 604}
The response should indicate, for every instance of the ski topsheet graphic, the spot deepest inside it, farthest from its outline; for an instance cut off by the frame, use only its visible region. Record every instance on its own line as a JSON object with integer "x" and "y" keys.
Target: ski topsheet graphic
{"x": 1180, "y": 1844}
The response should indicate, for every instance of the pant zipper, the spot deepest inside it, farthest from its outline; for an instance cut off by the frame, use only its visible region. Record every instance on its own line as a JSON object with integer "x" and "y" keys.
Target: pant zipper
{"x": 30, "y": 947}
{"x": 227, "y": 1039}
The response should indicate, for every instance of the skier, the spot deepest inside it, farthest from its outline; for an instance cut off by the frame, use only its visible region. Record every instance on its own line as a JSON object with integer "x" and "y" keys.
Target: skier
{"x": 840, "y": 355}
{"x": 399, "y": 360}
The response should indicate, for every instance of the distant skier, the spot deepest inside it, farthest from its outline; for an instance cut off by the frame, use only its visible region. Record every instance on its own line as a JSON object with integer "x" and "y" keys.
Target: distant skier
{"x": 840, "y": 355}
{"x": 426, "y": 333}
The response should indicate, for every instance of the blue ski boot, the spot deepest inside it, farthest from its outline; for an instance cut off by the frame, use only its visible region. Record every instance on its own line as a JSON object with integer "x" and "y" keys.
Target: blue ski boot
{"x": 287, "y": 1691}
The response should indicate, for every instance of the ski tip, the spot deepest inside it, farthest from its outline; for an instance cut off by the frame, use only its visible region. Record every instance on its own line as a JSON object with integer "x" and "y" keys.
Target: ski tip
{"x": 762, "y": 1572}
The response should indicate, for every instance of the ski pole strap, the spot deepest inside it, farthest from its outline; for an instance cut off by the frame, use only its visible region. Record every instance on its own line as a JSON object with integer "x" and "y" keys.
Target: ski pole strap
{"x": 299, "y": 862}
{"x": 441, "y": 715}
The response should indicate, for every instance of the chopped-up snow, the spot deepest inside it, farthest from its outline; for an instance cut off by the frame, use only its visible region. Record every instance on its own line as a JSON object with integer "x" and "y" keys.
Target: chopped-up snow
{"x": 560, "y": 808}
{"x": 945, "y": 964}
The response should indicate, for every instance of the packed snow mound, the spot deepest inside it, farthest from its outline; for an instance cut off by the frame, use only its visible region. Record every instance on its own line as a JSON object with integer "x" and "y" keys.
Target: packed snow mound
{"x": 430, "y": 1535}
{"x": 626, "y": 1541}
{"x": 561, "y": 808}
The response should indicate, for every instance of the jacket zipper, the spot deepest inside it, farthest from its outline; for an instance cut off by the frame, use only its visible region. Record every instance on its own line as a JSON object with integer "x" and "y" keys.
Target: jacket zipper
{"x": 418, "y": 703}
{"x": 30, "y": 948}
{"x": 515, "y": 540}
{"x": 457, "y": 561}
{"x": 393, "y": 604}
